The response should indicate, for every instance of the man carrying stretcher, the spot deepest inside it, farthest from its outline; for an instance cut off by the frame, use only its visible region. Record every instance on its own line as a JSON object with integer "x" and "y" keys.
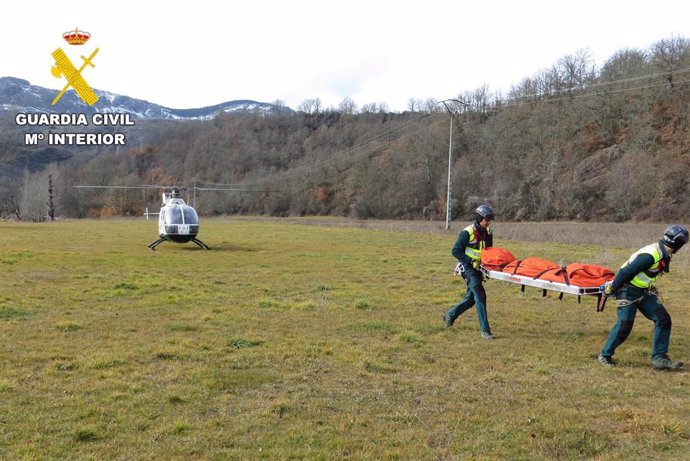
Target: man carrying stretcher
{"x": 468, "y": 250}
{"x": 634, "y": 289}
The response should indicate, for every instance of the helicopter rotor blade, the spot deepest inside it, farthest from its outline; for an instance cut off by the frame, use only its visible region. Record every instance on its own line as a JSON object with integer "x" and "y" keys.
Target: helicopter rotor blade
{"x": 121, "y": 187}
{"x": 230, "y": 189}
{"x": 181, "y": 188}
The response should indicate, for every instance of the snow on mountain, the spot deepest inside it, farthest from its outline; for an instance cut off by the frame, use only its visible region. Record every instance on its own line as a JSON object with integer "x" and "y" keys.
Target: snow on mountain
{"x": 17, "y": 95}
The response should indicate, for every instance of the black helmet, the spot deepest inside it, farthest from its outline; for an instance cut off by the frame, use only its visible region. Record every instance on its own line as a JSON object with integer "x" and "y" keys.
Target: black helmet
{"x": 485, "y": 211}
{"x": 675, "y": 237}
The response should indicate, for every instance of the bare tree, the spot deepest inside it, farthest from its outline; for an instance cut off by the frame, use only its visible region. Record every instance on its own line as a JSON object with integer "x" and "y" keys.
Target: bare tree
{"x": 279, "y": 107}
{"x": 413, "y": 105}
{"x": 624, "y": 64}
{"x": 347, "y": 106}
{"x": 318, "y": 106}
{"x": 368, "y": 108}
{"x": 310, "y": 106}
{"x": 306, "y": 106}
{"x": 10, "y": 196}
{"x": 577, "y": 70}
{"x": 670, "y": 55}
{"x": 430, "y": 105}
{"x": 34, "y": 197}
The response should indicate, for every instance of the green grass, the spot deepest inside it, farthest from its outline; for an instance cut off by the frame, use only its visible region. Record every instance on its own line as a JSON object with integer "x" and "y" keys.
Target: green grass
{"x": 288, "y": 341}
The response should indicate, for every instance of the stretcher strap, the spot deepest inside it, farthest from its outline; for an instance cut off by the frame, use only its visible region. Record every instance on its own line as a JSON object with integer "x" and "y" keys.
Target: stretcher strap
{"x": 601, "y": 302}
{"x": 517, "y": 264}
{"x": 562, "y": 270}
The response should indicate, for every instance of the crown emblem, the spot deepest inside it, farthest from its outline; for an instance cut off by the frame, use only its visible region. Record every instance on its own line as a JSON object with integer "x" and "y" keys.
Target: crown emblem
{"x": 76, "y": 36}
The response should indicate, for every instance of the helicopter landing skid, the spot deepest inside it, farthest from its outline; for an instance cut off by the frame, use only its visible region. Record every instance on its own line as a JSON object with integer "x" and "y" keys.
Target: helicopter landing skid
{"x": 153, "y": 245}
{"x": 201, "y": 244}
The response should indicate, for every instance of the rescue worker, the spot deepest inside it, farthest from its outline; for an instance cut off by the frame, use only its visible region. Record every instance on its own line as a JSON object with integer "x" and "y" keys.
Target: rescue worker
{"x": 468, "y": 250}
{"x": 633, "y": 288}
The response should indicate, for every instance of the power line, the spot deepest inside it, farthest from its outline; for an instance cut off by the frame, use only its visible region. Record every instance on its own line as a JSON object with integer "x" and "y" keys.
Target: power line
{"x": 414, "y": 125}
{"x": 545, "y": 98}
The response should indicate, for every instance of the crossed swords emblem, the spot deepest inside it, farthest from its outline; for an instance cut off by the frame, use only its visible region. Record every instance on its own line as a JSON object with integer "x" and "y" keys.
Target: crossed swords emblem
{"x": 63, "y": 66}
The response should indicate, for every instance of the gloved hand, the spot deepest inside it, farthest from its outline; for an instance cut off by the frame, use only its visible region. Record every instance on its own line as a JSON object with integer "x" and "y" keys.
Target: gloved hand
{"x": 607, "y": 288}
{"x": 475, "y": 264}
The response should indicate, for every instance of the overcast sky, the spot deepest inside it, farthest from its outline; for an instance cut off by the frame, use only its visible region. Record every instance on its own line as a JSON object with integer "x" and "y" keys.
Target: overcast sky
{"x": 195, "y": 53}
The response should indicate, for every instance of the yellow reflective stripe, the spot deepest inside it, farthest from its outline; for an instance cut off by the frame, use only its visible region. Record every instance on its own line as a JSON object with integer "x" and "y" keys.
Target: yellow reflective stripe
{"x": 642, "y": 280}
{"x": 473, "y": 253}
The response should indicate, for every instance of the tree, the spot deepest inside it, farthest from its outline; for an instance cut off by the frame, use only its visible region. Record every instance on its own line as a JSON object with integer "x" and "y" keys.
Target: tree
{"x": 370, "y": 108}
{"x": 577, "y": 70}
{"x": 279, "y": 107}
{"x": 305, "y": 106}
{"x": 34, "y": 197}
{"x": 10, "y": 196}
{"x": 430, "y": 105}
{"x": 347, "y": 106}
{"x": 413, "y": 105}
{"x": 623, "y": 64}
{"x": 310, "y": 106}
{"x": 50, "y": 203}
{"x": 670, "y": 55}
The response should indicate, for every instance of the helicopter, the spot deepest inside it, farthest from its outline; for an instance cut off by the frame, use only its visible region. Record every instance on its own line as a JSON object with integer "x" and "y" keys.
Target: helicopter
{"x": 177, "y": 221}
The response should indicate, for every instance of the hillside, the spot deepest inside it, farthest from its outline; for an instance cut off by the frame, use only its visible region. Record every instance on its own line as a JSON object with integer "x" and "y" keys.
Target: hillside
{"x": 570, "y": 143}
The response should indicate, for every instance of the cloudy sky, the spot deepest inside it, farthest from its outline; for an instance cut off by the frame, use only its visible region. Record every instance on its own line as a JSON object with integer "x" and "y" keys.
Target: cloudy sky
{"x": 195, "y": 53}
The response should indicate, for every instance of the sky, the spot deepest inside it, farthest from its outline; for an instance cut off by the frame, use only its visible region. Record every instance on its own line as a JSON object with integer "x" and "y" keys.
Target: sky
{"x": 197, "y": 53}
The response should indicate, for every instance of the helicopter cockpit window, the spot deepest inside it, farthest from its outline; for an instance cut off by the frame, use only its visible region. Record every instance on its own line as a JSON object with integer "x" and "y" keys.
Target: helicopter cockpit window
{"x": 173, "y": 215}
{"x": 190, "y": 216}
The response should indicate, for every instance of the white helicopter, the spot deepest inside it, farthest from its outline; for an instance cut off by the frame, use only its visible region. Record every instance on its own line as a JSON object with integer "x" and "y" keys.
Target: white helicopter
{"x": 177, "y": 221}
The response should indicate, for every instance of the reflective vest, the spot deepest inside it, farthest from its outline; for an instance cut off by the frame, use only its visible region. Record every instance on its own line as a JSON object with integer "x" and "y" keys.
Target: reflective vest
{"x": 476, "y": 243}
{"x": 646, "y": 278}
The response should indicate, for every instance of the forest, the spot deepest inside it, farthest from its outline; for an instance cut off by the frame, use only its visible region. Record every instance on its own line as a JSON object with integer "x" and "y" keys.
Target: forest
{"x": 572, "y": 142}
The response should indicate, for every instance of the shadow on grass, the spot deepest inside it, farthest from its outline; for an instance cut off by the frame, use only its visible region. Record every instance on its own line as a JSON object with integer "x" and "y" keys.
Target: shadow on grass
{"x": 215, "y": 247}
{"x": 227, "y": 246}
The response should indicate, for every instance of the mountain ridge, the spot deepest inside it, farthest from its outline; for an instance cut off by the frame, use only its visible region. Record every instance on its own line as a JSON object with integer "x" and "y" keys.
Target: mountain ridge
{"x": 19, "y": 95}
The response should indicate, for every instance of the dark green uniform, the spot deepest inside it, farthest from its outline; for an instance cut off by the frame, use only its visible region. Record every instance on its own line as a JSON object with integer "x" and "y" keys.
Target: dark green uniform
{"x": 632, "y": 291}
{"x": 467, "y": 250}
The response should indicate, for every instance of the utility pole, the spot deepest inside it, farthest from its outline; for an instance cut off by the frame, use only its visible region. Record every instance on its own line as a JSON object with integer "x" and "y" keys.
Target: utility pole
{"x": 450, "y": 152}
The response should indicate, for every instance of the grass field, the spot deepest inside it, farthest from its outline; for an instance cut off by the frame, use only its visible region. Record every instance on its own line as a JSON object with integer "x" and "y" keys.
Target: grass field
{"x": 293, "y": 341}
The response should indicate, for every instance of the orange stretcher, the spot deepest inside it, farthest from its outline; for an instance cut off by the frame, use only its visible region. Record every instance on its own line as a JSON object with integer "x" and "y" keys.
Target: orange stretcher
{"x": 576, "y": 278}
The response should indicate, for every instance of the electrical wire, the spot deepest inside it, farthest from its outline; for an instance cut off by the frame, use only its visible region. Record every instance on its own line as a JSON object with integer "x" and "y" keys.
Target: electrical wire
{"x": 414, "y": 125}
